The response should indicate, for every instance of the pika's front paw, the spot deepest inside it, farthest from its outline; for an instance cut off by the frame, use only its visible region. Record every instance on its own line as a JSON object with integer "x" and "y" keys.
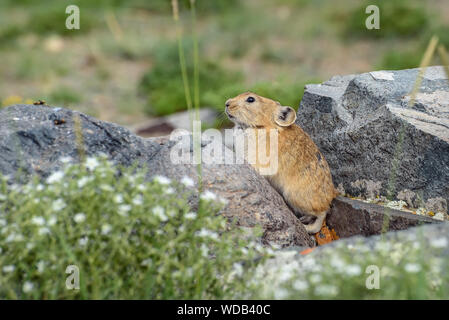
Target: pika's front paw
{"x": 306, "y": 219}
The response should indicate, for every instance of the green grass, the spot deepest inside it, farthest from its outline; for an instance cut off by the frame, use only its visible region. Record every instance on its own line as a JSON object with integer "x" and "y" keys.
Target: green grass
{"x": 64, "y": 96}
{"x": 400, "y": 59}
{"x": 163, "y": 84}
{"x": 129, "y": 238}
{"x": 399, "y": 18}
{"x": 160, "y": 6}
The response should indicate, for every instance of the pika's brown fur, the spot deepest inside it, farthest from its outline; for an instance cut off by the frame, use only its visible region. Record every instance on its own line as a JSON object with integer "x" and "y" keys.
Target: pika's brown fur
{"x": 303, "y": 176}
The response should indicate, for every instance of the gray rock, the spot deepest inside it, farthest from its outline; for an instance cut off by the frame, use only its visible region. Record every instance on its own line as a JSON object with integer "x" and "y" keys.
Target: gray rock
{"x": 34, "y": 138}
{"x": 353, "y": 217}
{"x": 250, "y": 198}
{"x": 358, "y": 122}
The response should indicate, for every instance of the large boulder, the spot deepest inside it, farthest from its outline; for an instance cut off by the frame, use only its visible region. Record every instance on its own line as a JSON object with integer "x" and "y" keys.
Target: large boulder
{"x": 375, "y": 143}
{"x": 33, "y": 139}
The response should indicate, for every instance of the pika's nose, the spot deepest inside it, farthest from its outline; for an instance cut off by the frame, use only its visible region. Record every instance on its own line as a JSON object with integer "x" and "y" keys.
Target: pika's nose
{"x": 228, "y": 103}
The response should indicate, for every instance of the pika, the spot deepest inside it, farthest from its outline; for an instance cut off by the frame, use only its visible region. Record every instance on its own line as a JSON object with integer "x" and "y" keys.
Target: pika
{"x": 303, "y": 176}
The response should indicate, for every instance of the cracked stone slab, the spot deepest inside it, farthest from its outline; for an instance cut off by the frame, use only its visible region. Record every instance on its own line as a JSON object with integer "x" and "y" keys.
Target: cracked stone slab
{"x": 358, "y": 122}
{"x": 350, "y": 217}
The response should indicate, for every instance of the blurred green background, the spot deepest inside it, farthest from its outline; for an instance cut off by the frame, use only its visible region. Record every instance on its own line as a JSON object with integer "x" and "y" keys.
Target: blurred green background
{"x": 122, "y": 65}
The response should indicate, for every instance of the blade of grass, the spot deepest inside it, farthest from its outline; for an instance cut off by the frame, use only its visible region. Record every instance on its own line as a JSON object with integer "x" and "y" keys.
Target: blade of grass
{"x": 196, "y": 91}
{"x": 398, "y": 150}
{"x": 182, "y": 60}
{"x": 114, "y": 26}
{"x": 444, "y": 56}
{"x": 79, "y": 139}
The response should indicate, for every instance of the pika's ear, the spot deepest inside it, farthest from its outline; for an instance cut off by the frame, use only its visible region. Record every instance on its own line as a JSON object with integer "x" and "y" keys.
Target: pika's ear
{"x": 285, "y": 117}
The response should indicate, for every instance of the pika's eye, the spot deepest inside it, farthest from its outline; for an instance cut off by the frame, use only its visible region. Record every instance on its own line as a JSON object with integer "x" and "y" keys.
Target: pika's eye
{"x": 250, "y": 99}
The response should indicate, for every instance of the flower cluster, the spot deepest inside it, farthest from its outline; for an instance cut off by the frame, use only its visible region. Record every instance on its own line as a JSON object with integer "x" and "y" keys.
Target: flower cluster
{"x": 408, "y": 268}
{"x": 132, "y": 235}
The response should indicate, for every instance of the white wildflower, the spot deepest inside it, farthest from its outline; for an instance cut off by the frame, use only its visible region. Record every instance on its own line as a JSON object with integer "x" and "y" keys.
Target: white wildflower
{"x": 141, "y": 187}
{"x": 2, "y": 197}
{"x": 40, "y": 187}
{"x": 2, "y": 222}
{"x": 162, "y": 180}
{"x": 171, "y": 213}
{"x": 124, "y": 209}
{"x": 238, "y": 269}
{"x": 189, "y": 272}
{"x": 14, "y": 237}
{"x": 353, "y": 270}
{"x": 204, "y": 250}
{"x": 28, "y": 286}
{"x": 147, "y": 262}
{"x": 280, "y": 294}
{"x": 118, "y": 198}
{"x": 105, "y": 229}
{"x": 39, "y": 221}
{"x": 326, "y": 290}
{"x": 187, "y": 181}
{"x": 92, "y": 163}
{"x": 159, "y": 212}
{"x": 138, "y": 200}
{"x": 83, "y": 181}
{"x": 190, "y": 215}
{"x": 55, "y": 177}
{"x": 207, "y": 234}
{"x": 52, "y": 220}
{"x": 40, "y": 266}
{"x": 412, "y": 267}
{"x": 79, "y": 217}
{"x": 106, "y": 187}
{"x": 8, "y": 268}
{"x": 58, "y": 205}
{"x": 337, "y": 263}
{"x": 284, "y": 274}
{"x": 439, "y": 242}
{"x": 309, "y": 263}
{"x": 43, "y": 231}
{"x": 383, "y": 246}
{"x": 208, "y": 196}
{"x": 83, "y": 241}
{"x": 169, "y": 190}
{"x": 300, "y": 285}
{"x": 315, "y": 278}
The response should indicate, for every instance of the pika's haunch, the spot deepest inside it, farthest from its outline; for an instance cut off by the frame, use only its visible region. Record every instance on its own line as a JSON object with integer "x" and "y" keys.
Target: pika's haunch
{"x": 303, "y": 177}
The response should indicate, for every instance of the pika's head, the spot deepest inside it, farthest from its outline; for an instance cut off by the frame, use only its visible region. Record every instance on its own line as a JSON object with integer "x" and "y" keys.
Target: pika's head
{"x": 250, "y": 110}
